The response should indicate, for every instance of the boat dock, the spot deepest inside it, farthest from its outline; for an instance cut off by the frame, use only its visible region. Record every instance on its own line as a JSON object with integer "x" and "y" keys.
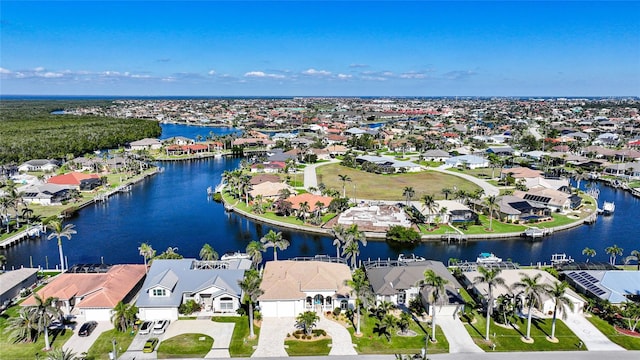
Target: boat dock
{"x": 31, "y": 232}
{"x": 535, "y": 233}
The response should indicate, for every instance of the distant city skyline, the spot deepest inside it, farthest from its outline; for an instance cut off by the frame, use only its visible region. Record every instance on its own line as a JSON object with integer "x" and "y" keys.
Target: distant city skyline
{"x": 306, "y": 48}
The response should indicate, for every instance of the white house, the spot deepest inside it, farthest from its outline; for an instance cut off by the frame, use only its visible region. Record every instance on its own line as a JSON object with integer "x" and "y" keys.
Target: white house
{"x": 145, "y": 144}
{"x": 468, "y": 161}
{"x": 39, "y": 165}
{"x": 212, "y": 284}
{"x": 293, "y": 287}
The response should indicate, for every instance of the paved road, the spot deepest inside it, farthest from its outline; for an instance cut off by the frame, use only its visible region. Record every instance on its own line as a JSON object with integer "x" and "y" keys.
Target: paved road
{"x": 488, "y": 188}
{"x": 593, "y": 339}
{"x": 310, "y": 177}
{"x": 546, "y": 355}
{"x": 459, "y": 339}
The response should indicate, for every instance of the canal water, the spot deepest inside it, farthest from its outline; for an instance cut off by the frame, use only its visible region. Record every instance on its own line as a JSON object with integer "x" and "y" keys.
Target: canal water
{"x": 171, "y": 209}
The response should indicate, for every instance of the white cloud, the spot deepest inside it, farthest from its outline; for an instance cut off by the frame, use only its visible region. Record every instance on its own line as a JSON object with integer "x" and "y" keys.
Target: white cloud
{"x": 262, "y": 74}
{"x": 358, "y": 66}
{"x": 169, "y": 79}
{"x": 4, "y": 71}
{"x": 211, "y": 72}
{"x": 413, "y": 75}
{"x": 314, "y": 72}
{"x": 38, "y": 69}
{"x": 344, "y": 76}
{"x": 50, "y": 74}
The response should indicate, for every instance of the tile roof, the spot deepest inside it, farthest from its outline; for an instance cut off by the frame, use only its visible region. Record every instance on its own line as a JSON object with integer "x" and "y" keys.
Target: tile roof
{"x": 72, "y": 178}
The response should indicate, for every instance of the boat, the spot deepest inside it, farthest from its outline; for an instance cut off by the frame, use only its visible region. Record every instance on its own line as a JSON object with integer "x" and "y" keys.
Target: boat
{"x": 560, "y": 259}
{"x": 608, "y": 208}
{"x": 534, "y": 232}
{"x": 410, "y": 258}
{"x": 488, "y": 258}
{"x": 235, "y": 256}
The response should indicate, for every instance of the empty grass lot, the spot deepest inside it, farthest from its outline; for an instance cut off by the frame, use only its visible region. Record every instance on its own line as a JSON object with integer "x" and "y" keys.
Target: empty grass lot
{"x": 390, "y": 187}
{"x": 103, "y": 346}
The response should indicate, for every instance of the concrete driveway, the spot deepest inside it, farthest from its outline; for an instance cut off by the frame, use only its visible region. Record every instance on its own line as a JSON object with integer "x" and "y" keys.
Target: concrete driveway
{"x": 79, "y": 344}
{"x": 589, "y": 334}
{"x": 459, "y": 339}
{"x": 340, "y": 338}
{"x": 272, "y": 334}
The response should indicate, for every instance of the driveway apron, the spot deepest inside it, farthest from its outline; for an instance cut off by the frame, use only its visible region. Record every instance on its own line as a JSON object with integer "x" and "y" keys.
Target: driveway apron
{"x": 272, "y": 334}
{"x": 340, "y": 338}
{"x": 589, "y": 334}
{"x": 459, "y": 339}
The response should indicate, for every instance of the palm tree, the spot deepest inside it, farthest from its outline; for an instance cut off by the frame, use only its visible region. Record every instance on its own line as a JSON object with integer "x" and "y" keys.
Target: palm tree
{"x": 303, "y": 210}
{"x": 360, "y": 288}
{"x": 339, "y": 234}
{"x": 589, "y": 252}
{"x": 147, "y": 252}
{"x": 42, "y": 315}
{"x": 27, "y": 213}
{"x": 275, "y": 240}
{"x": 491, "y": 278}
{"x": 437, "y": 296}
{"x": 351, "y": 251}
{"x": 307, "y": 320}
{"x": 124, "y": 315}
{"x": 531, "y": 289}
{"x": 58, "y": 232}
{"x": 558, "y": 292}
{"x": 430, "y": 205}
{"x": 344, "y": 179}
{"x": 254, "y": 250}
{"x": 490, "y": 201}
{"x": 613, "y": 252}
{"x": 3, "y": 260}
{"x": 207, "y": 253}
{"x": 250, "y": 286}
{"x": 446, "y": 192}
{"x": 408, "y": 194}
{"x": 21, "y": 328}
{"x": 634, "y": 256}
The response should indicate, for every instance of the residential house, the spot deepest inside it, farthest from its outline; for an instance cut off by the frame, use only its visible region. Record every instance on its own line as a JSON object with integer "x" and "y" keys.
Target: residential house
{"x": 515, "y": 209}
{"x": 512, "y": 276}
{"x": 80, "y": 181}
{"x": 45, "y": 194}
{"x": 614, "y": 286}
{"x": 311, "y": 200}
{"x": 178, "y": 140}
{"x": 14, "y": 281}
{"x": 389, "y": 164}
{"x": 335, "y": 150}
{"x": 39, "y": 165}
{"x": 467, "y": 161}
{"x": 401, "y": 283}
{"x": 436, "y": 155}
{"x": 270, "y": 167}
{"x": 293, "y": 287}
{"x": 93, "y": 291}
{"x": 500, "y": 150}
{"x": 554, "y": 200}
{"x": 145, "y": 144}
{"x": 170, "y": 283}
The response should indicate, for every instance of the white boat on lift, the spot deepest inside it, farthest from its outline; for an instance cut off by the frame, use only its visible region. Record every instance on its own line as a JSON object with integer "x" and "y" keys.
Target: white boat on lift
{"x": 608, "y": 207}
{"x": 410, "y": 258}
{"x": 488, "y": 258}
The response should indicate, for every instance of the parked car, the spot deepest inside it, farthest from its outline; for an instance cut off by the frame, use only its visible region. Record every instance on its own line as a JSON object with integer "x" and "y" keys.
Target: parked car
{"x": 160, "y": 327}
{"x": 87, "y": 328}
{"x": 146, "y": 327}
{"x": 150, "y": 345}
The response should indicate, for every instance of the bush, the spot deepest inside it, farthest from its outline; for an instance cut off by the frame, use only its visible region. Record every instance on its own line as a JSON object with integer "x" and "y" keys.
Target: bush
{"x": 241, "y": 311}
{"x": 337, "y": 311}
{"x": 189, "y": 307}
{"x": 217, "y": 197}
{"x": 257, "y": 315}
{"x": 319, "y": 332}
{"x": 401, "y": 234}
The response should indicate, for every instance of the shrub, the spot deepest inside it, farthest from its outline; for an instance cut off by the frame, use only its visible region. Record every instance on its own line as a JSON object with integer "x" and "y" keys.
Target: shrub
{"x": 319, "y": 332}
{"x": 257, "y": 315}
{"x": 337, "y": 311}
{"x": 241, "y": 311}
{"x": 397, "y": 233}
{"x": 189, "y": 307}
{"x": 217, "y": 197}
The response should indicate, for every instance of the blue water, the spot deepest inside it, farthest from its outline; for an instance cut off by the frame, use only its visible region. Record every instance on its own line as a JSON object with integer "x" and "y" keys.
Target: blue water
{"x": 172, "y": 209}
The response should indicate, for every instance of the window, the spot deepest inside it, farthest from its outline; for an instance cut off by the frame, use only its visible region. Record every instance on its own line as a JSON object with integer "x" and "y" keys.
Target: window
{"x": 159, "y": 292}
{"x": 344, "y": 305}
{"x": 226, "y": 304}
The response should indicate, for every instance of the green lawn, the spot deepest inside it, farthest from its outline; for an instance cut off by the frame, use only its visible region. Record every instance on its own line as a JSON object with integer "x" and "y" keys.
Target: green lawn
{"x": 372, "y": 343}
{"x": 103, "y": 345}
{"x": 185, "y": 346}
{"x": 441, "y": 230}
{"x": 627, "y": 342}
{"x": 241, "y": 345}
{"x": 308, "y": 348}
{"x": 509, "y": 339}
{"x": 497, "y": 227}
{"x": 390, "y": 187}
{"x": 10, "y": 350}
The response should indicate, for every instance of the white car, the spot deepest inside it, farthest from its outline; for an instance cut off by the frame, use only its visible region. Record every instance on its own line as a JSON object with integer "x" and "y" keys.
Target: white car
{"x": 160, "y": 326}
{"x": 146, "y": 327}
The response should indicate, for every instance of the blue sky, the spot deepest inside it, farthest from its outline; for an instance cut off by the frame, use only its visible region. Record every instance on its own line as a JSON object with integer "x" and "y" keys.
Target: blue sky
{"x": 305, "y": 48}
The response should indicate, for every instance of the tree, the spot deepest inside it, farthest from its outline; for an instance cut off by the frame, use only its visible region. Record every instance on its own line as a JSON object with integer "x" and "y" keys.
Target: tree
{"x": 631, "y": 314}
{"x": 307, "y": 321}
{"x": 339, "y": 234}
{"x": 613, "y": 252}
{"x": 21, "y": 328}
{"x": 531, "y": 289}
{"x": 303, "y": 210}
{"x": 408, "y": 194}
{"x": 351, "y": 251}
{"x": 430, "y": 205}
{"x": 61, "y": 354}
{"x": 344, "y": 179}
{"x": 404, "y": 322}
{"x": 147, "y": 252}
{"x": 170, "y": 253}
{"x": 254, "y": 250}
{"x": 436, "y": 296}
{"x": 589, "y": 252}
{"x": 491, "y": 203}
{"x": 276, "y": 241}
{"x": 558, "y": 292}
{"x": 360, "y": 288}
{"x": 634, "y": 256}
{"x": 489, "y": 276}
{"x": 401, "y": 234}
{"x": 250, "y": 286}
{"x": 58, "y": 232}
{"x": 207, "y": 253}
{"x": 124, "y": 316}
{"x": 446, "y": 192}
{"x": 42, "y": 315}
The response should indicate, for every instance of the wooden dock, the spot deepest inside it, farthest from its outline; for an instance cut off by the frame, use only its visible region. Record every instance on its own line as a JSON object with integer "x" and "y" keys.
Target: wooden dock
{"x": 31, "y": 232}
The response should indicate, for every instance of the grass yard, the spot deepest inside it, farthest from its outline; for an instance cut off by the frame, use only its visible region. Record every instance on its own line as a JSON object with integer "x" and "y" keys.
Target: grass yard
{"x": 509, "y": 339}
{"x": 18, "y": 351}
{"x": 441, "y": 230}
{"x": 626, "y": 341}
{"x": 390, "y": 187}
{"x": 308, "y": 348}
{"x": 185, "y": 346}
{"x": 102, "y": 346}
{"x": 372, "y": 343}
{"x": 497, "y": 227}
{"x": 481, "y": 173}
{"x": 241, "y": 345}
